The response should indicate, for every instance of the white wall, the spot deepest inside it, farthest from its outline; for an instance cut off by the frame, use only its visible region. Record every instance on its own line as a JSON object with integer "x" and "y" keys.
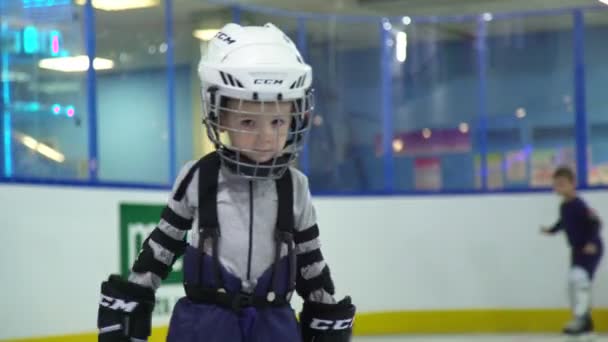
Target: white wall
{"x": 389, "y": 253}
{"x": 436, "y": 252}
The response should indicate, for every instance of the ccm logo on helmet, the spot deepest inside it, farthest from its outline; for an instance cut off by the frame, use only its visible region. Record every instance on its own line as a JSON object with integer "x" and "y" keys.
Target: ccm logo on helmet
{"x": 324, "y": 324}
{"x": 267, "y": 81}
{"x": 225, "y": 38}
{"x": 117, "y": 304}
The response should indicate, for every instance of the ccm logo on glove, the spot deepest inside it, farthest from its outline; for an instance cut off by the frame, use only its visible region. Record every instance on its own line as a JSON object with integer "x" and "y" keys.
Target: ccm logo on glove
{"x": 117, "y": 304}
{"x": 324, "y": 324}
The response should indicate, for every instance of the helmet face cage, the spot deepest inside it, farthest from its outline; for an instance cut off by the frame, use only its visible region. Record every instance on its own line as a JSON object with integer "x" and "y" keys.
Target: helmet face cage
{"x": 264, "y": 122}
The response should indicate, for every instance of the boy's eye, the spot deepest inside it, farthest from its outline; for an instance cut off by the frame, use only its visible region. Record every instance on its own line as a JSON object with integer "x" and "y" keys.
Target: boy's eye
{"x": 278, "y": 122}
{"x": 248, "y": 123}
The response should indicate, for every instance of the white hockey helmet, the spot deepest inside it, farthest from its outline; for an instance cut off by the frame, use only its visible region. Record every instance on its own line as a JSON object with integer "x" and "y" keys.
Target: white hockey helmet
{"x": 259, "y": 64}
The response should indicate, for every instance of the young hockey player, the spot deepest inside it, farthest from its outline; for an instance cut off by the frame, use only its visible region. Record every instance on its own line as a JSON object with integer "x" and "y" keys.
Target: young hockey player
{"x": 254, "y": 239}
{"x": 582, "y": 227}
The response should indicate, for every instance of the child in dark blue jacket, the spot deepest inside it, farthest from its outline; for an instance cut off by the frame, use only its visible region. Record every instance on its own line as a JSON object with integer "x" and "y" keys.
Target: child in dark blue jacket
{"x": 582, "y": 227}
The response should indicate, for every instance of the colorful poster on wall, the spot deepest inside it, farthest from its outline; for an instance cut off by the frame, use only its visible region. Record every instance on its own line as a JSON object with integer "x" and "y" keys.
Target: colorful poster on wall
{"x": 495, "y": 171}
{"x": 516, "y": 166}
{"x": 598, "y": 174}
{"x": 542, "y": 167}
{"x": 566, "y": 156}
{"x": 427, "y": 173}
{"x": 545, "y": 161}
{"x": 495, "y": 174}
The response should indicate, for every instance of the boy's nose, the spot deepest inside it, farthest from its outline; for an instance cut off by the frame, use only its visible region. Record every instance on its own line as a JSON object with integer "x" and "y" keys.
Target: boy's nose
{"x": 268, "y": 133}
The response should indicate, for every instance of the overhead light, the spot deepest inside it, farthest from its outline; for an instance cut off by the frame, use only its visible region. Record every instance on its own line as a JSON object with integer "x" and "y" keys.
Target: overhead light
{"x": 39, "y": 147}
{"x": 426, "y": 133}
{"x": 487, "y": 16}
{"x": 14, "y": 76}
{"x": 50, "y": 153}
{"x": 317, "y": 120}
{"x": 120, "y": 5}
{"x": 29, "y": 142}
{"x": 604, "y": 1}
{"x": 463, "y": 127}
{"x": 205, "y": 35}
{"x": 74, "y": 64}
{"x": 520, "y": 113}
{"x": 406, "y": 20}
{"x": 397, "y": 145}
{"x": 55, "y": 87}
{"x": 401, "y": 48}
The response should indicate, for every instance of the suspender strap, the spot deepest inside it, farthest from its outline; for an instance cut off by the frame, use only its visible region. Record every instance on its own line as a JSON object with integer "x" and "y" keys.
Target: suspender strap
{"x": 285, "y": 230}
{"x": 208, "y": 224}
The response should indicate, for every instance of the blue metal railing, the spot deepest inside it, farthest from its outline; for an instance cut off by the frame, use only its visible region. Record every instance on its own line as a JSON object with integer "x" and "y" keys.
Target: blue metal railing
{"x": 5, "y": 120}
{"x": 386, "y": 94}
{"x": 579, "y": 98}
{"x": 302, "y": 46}
{"x": 482, "y": 119}
{"x": 91, "y": 44}
{"x": 171, "y": 118}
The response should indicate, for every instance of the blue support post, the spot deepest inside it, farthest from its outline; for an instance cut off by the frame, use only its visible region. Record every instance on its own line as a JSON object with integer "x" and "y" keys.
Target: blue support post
{"x": 482, "y": 69}
{"x": 5, "y": 122}
{"x": 579, "y": 99}
{"x": 386, "y": 94}
{"x": 302, "y": 46}
{"x": 90, "y": 40}
{"x": 236, "y": 14}
{"x": 170, "y": 90}
{"x": 2, "y": 161}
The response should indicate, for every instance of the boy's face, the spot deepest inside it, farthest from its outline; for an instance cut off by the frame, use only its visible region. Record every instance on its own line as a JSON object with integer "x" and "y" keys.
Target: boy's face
{"x": 260, "y": 132}
{"x": 564, "y": 186}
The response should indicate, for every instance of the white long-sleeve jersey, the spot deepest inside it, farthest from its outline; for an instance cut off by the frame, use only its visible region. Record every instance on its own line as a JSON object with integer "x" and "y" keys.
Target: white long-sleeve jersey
{"x": 247, "y": 214}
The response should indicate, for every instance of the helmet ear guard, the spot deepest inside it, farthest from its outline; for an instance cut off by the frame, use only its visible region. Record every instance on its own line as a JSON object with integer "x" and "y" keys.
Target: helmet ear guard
{"x": 211, "y": 115}
{"x": 300, "y": 123}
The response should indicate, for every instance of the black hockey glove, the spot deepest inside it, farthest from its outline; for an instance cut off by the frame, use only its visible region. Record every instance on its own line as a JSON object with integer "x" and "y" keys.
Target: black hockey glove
{"x": 125, "y": 311}
{"x": 327, "y": 322}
